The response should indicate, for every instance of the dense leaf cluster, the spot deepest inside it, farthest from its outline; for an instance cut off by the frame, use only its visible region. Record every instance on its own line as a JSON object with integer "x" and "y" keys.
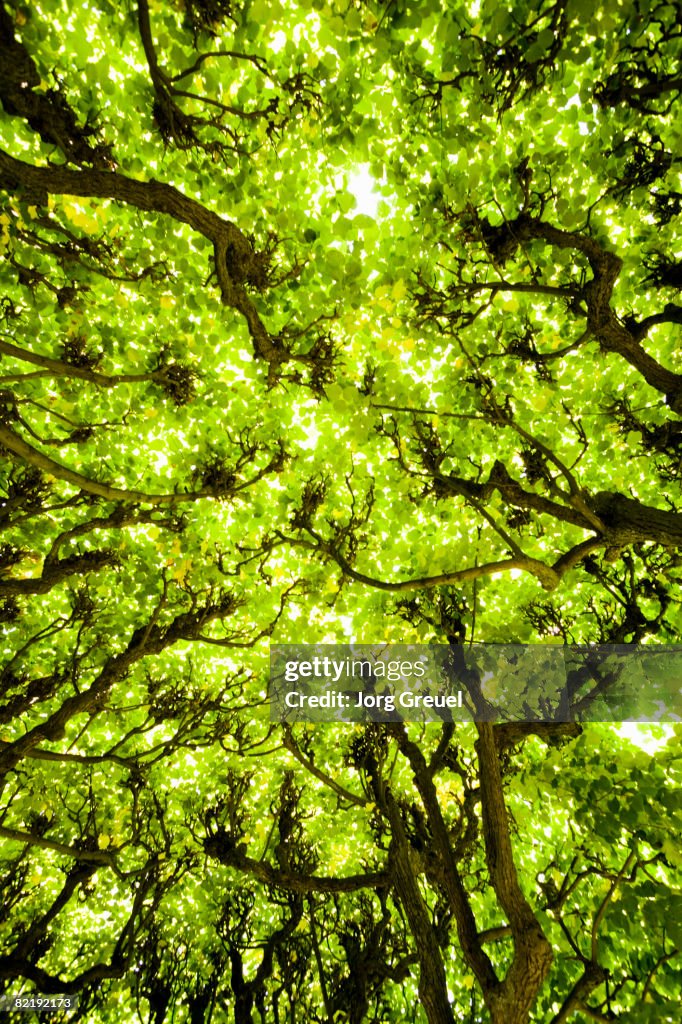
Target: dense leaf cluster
{"x": 324, "y": 319}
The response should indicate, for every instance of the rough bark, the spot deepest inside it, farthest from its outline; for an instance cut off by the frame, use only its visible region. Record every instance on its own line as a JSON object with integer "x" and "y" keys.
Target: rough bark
{"x": 449, "y": 875}
{"x": 46, "y": 112}
{"x": 433, "y": 991}
{"x": 532, "y": 956}
{"x": 236, "y": 260}
{"x": 630, "y": 521}
{"x": 602, "y": 321}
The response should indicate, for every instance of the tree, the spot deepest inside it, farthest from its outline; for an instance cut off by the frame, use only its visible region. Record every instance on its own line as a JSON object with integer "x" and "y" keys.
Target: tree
{"x": 326, "y": 318}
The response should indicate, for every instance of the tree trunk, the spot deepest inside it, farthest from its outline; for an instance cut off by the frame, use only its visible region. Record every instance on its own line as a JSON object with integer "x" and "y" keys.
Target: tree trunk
{"x": 630, "y": 521}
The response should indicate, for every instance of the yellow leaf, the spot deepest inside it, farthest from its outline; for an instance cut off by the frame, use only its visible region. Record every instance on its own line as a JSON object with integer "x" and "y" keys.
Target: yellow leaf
{"x": 80, "y": 218}
{"x": 538, "y": 402}
{"x": 181, "y": 571}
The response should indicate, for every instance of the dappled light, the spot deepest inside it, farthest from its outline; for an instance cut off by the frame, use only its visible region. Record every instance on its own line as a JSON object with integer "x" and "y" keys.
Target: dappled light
{"x": 351, "y": 323}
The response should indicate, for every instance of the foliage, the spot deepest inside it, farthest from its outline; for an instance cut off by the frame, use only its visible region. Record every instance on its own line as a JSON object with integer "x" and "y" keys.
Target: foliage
{"x": 327, "y": 319}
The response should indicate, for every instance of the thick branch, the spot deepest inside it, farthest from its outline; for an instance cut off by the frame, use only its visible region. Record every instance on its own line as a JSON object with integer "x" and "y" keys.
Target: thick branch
{"x": 9, "y": 439}
{"x": 46, "y": 112}
{"x": 62, "y": 369}
{"x": 56, "y": 572}
{"x": 532, "y": 952}
{"x": 671, "y": 314}
{"x": 102, "y": 857}
{"x": 17, "y": 966}
{"x": 472, "y": 572}
{"x": 433, "y": 994}
{"x": 78, "y": 875}
{"x": 591, "y": 978}
{"x": 602, "y": 321}
{"x": 467, "y": 929}
{"x": 236, "y": 261}
{"x": 231, "y": 855}
{"x": 629, "y": 521}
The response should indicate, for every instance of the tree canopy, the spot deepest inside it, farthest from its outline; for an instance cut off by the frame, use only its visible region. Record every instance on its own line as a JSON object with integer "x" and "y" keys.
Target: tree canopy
{"x": 327, "y": 320}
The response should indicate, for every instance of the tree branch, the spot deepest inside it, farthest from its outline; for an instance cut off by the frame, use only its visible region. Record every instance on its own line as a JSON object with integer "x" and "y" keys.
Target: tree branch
{"x": 59, "y": 368}
{"x": 533, "y": 956}
{"x": 231, "y": 855}
{"x": 104, "y": 858}
{"x": 236, "y": 261}
{"x": 344, "y": 794}
{"x": 16, "y": 444}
